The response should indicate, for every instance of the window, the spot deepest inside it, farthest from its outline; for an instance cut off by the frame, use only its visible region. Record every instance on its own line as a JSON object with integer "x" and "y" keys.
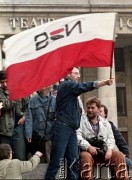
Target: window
{"x": 119, "y": 60}
{"x": 121, "y": 101}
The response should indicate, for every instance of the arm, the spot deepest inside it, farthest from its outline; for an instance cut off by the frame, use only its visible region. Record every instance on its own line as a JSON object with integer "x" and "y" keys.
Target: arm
{"x": 82, "y": 142}
{"x": 108, "y": 82}
{"x": 110, "y": 136}
{"x": 21, "y": 110}
{"x": 110, "y": 141}
{"x": 79, "y": 88}
{"x": 28, "y": 123}
{"x": 27, "y": 166}
{"x": 1, "y": 106}
{"x": 82, "y": 138}
{"x": 7, "y": 104}
{"x": 18, "y": 111}
{"x": 119, "y": 140}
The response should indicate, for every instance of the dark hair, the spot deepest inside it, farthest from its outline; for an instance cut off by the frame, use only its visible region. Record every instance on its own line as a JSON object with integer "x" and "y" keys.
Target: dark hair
{"x": 93, "y": 100}
{"x": 3, "y": 75}
{"x": 105, "y": 110}
{"x": 5, "y": 150}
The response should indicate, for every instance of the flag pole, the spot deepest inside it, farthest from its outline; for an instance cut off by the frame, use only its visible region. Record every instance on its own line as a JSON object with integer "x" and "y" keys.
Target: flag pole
{"x": 114, "y": 37}
{"x": 110, "y": 72}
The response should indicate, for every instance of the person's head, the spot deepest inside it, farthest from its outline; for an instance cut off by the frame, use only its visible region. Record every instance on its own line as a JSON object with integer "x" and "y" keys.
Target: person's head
{"x": 75, "y": 74}
{"x": 93, "y": 105}
{"x": 103, "y": 111}
{"x": 3, "y": 80}
{"x": 5, "y": 151}
{"x": 44, "y": 91}
{"x": 55, "y": 87}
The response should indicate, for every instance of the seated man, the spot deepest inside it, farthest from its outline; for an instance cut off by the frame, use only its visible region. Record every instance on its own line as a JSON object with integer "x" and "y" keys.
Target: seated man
{"x": 119, "y": 139}
{"x": 93, "y": 126}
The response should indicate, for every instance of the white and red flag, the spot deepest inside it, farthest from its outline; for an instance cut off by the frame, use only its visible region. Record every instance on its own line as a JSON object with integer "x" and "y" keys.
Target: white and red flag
{"x": 41, "y": 56}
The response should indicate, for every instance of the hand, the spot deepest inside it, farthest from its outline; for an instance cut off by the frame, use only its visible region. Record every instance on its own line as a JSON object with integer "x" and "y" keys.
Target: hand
{"x": 21, "y": 121}
{"x": 108, "y": 154}
{"x": 109, "y": 82}
{"x": 29, "y": 139}
{"x": 38, "y": 153}
{"x": 1, "y": 105}
{"x": 93, "y": 150}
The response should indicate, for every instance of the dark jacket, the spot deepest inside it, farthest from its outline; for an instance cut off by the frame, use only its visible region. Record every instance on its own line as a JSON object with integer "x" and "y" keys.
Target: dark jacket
{"x": 119, "y": 140}
{"x": 7, "y": 118}
{"x": 22, "y": 104}
{"x": 67, "y": 105}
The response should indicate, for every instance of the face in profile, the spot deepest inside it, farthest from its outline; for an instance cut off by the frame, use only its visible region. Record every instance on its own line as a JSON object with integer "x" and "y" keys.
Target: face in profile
{"x": 75, "y": 74}
{"x": 102, "y": 112}
{"x": 3, "y": 84}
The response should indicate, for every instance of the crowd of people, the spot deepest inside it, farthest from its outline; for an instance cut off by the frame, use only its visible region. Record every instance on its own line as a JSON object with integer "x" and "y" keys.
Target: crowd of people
{"x": 54, "y": 124}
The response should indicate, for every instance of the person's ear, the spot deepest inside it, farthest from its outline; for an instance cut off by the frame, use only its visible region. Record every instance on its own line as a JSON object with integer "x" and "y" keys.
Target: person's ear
{"x": 10, "y": 155}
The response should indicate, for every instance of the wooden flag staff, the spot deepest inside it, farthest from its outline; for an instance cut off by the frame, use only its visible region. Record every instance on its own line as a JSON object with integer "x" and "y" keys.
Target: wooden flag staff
{"x": 111, "y": 73}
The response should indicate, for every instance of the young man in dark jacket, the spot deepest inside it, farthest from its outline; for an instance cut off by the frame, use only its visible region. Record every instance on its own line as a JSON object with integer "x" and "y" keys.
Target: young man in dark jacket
{"x": 64, "y": 141}
{"x": 7, "y": 118}
{"x": 119, "y": 139}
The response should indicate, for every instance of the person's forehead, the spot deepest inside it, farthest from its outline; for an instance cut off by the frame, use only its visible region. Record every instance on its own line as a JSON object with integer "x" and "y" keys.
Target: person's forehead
{"x": 91, "y": 105}
{"x": 3, "y": 80}
{"x": 101, "y": 108}
{"x": 75, "y": 70}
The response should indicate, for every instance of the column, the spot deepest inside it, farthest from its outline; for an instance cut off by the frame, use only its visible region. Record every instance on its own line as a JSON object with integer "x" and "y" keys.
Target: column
{"x": 107, "y": 94}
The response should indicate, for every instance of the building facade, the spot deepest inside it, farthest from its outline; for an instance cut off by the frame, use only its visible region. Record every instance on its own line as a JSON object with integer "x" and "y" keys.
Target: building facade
{"x": 19, "y": 15}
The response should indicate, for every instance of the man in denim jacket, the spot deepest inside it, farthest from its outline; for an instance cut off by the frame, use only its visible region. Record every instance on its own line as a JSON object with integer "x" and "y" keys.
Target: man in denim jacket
{"x": 41, "y": 108}
{"x": 64, "y": 141}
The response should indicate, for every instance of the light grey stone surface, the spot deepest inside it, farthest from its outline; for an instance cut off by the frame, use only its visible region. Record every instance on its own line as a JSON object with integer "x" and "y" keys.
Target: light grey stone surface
{"x": 43, "y": 2}
{"x": 39, "y": 173}
{"x": 65, "y": 2}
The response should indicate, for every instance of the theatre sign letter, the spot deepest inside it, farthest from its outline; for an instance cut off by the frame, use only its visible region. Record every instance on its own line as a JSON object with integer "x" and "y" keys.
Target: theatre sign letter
{"x": 27, "y": 23}
{"x": 30, "y": 22}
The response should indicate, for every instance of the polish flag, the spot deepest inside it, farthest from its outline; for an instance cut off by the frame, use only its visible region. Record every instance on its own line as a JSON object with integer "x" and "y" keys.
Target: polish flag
{"x": 41, "y": 56}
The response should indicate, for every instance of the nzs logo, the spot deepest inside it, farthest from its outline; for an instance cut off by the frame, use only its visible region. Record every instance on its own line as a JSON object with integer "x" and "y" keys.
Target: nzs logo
{"x": 55, "y": 35}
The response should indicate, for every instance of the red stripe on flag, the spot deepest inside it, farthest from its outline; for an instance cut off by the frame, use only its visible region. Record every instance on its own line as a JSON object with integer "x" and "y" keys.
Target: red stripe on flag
{"x": 29, "y": 76}
{"x": 57, "y": 31}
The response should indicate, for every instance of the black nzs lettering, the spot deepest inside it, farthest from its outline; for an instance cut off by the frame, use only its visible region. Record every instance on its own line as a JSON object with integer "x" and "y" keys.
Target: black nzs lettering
{"x": 68, "y": 32}
{"x": 43, "y": 43}
{"x": 42, "y": 40}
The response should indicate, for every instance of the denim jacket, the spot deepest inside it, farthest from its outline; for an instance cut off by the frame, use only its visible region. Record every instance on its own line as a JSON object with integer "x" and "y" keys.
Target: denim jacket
{"x": 67, "y": 104}
{"x": 37, "y": 112}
